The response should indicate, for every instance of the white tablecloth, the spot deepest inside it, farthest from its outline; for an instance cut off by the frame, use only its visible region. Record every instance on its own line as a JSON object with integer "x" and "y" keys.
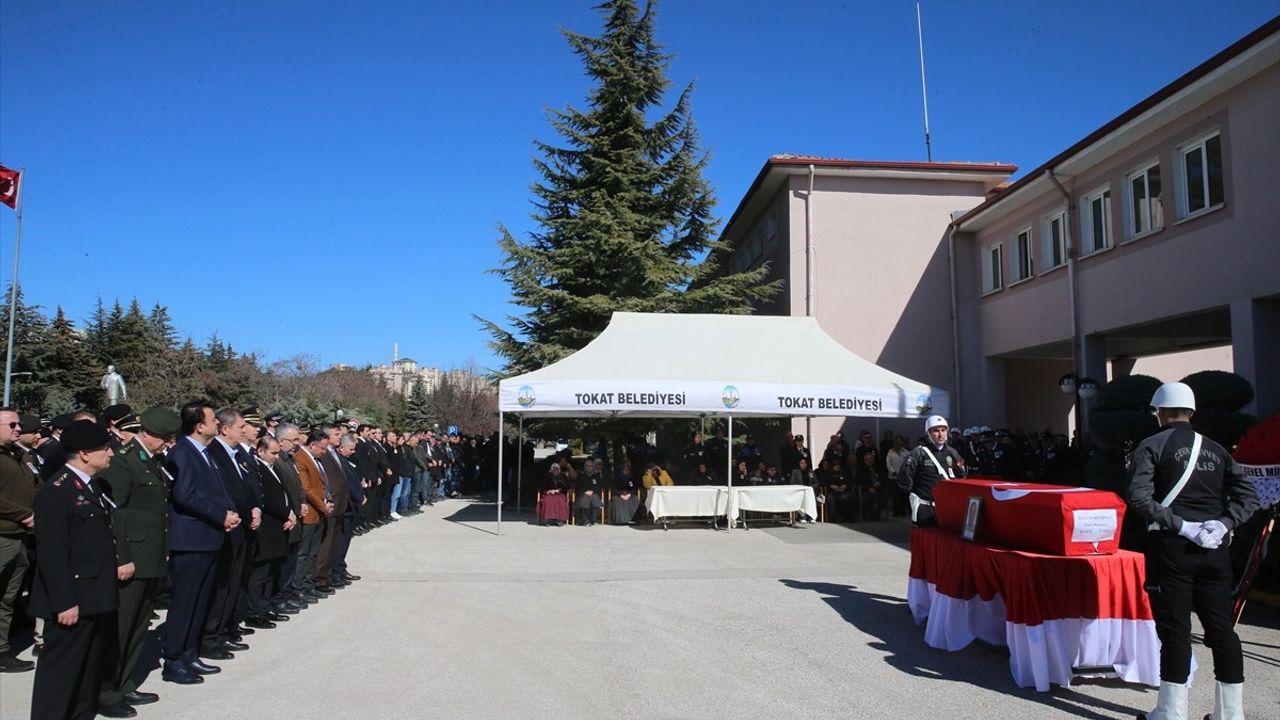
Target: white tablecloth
{"x": 687, "y": 501}
{"x": 774, "y": 499}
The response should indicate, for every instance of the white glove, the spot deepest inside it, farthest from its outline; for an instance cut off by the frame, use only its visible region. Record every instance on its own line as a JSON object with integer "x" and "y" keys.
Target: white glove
{"x": 1212, "y": 533}
{"x": 1190, "y": 530}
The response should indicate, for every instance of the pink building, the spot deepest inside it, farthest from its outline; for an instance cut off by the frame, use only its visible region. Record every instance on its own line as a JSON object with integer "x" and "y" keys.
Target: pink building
{"x": 1158, "y": 233}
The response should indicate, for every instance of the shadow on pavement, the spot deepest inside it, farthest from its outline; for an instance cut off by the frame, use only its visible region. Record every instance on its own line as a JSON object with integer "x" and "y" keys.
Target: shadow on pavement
{"x": 889, "y": 621}
{"x": 478, "y": 511}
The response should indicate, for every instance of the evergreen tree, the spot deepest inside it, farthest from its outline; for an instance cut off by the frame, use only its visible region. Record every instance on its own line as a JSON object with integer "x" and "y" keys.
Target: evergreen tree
{"x": 625, "y": 215}
{"x": 95, "y": 331}
{"x": 30, "y": 352}
{"x": 418, "y": 410}
{"x": 70, "y": 380}
{"x": 162, "y": 332}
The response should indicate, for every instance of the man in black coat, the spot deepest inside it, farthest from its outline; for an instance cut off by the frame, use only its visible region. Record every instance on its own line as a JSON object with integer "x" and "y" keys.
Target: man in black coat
{"x": 271, "y": 545}
{"x": 232, "y": 573}
{"x": 290, "y": 438}
{"x": 75, "y": 581}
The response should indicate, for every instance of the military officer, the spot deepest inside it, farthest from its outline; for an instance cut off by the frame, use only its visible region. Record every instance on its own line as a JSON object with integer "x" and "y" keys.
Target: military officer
{"x": 18, "y": 483}
{"x": 75, "y": 579}
{"x": 140, "y": 490}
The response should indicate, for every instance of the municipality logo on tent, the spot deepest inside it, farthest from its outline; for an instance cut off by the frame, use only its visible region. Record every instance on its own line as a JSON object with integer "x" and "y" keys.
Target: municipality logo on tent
{"x": 730, "y": 397}
{"x": 924, "y": 404}
{"x": 525, "y": 396}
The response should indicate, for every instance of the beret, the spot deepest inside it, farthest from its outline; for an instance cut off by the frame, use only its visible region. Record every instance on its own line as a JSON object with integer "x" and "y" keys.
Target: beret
{"x": 84, "y": 435}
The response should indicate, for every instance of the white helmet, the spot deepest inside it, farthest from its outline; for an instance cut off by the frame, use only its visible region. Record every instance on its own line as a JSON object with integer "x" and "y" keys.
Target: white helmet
{"x": 1174, "y": 395}
{"x": 934, "y": 421}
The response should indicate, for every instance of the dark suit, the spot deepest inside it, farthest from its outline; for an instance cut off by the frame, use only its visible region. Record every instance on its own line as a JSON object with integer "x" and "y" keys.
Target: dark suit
{"x": 347, "y": 525}
{"x": 288, "y": 474}
{"x": 198, "y": 506}
{"x": 272, "y": 544}
{"x": 76, "y": 567}
{"x": 140, "y": 490}
{"x": 232, "y": 574}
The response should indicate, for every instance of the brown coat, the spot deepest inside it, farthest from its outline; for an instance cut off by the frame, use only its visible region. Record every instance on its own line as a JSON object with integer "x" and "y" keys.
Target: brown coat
{"x": 312, "y": 485}
{"x": 17, "y": 490}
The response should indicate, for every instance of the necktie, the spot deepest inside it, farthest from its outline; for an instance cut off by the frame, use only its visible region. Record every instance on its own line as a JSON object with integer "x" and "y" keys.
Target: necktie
{"x": 324, "y": 477}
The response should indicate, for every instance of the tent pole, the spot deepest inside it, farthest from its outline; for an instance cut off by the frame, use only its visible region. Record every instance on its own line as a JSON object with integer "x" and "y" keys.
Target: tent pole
{"x": 729, "y": 475}
{"x": 501, "y": 442}
{"x": 519, "y": 463}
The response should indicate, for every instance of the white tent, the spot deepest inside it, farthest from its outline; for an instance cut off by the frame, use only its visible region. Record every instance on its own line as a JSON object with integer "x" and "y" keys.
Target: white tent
{"x": 661, "y": 365}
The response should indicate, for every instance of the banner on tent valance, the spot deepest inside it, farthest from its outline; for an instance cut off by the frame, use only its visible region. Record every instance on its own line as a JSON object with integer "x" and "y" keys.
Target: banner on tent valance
{"x": 675, "y": 397}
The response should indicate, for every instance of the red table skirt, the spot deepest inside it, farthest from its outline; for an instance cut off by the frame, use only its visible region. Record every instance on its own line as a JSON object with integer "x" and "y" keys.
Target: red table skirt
{"x": 1035, "y": 587}
{"x": 1055, "y": 613}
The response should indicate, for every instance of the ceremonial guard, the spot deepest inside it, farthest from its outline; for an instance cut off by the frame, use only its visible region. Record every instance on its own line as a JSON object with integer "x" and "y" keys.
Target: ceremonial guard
{"x": 75, "y": 581}
{"x": 139, "y": 485}
{"x": 1192, "y": 494}
{"x": 925, "y": 467}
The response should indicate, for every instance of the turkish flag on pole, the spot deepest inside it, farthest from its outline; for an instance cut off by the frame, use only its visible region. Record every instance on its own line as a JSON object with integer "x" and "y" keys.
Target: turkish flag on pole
{"x": 9, "y": 180}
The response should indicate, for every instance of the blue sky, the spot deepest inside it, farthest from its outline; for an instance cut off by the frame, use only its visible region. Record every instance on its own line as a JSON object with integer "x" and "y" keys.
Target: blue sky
{"x": 327, "y": 178}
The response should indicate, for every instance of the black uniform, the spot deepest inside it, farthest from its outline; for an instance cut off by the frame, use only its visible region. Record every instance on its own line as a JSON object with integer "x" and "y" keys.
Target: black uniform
{"x": 140, "y": 522}
{"x": 76, "y": 567}
{"x": 1181, "y": 575}
{"x": 919, "y": 475}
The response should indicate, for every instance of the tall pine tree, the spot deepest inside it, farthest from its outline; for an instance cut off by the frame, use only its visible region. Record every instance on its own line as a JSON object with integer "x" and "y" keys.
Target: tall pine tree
{"x": 625, "y": 216}
{"x": 70, "y": 381}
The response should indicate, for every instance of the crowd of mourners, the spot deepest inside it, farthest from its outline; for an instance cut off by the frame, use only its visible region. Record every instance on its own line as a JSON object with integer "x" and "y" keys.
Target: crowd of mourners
{"x": 231, "y": 521}
{"x": 855, "y": 482}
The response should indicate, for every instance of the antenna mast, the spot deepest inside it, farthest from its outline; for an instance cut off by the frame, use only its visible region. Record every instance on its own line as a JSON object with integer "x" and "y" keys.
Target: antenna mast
{"x": 924, "y": 93}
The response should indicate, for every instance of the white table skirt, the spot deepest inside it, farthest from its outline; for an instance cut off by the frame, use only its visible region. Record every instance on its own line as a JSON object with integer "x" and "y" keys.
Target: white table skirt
{"x": 774, "y": 499}
{"x": 687, "y": 501}
{"x": 1043, "y": 654}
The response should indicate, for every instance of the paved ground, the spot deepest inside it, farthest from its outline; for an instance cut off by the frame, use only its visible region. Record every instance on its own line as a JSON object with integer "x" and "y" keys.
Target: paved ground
{"x": 451, "y": 620}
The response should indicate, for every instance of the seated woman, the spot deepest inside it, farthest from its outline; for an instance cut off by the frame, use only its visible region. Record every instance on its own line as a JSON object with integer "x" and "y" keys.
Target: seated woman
{"x": 655, "y": 475}
{"x": 589, "y": 487}
{"x": 758, "y": 474}
{"x": 554, "y": 508}
{"x": 802, "y": 475}
{"x": 704, "y": 476}
{"x": 742, "y": 476}
{"x": 840, "y": 498}
{"x": 870, "y": 482}
{"x": 625, "y": 499}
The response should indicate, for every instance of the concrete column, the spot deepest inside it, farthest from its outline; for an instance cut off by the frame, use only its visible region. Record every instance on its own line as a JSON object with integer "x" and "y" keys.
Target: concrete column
{"x": 1094, "y": 365}
{"x": 1121, "y": 367}
{"x": 1255, "y": 345}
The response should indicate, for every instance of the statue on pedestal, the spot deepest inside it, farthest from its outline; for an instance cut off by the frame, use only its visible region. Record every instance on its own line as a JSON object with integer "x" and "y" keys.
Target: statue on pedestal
{"x": 113, "y": 383}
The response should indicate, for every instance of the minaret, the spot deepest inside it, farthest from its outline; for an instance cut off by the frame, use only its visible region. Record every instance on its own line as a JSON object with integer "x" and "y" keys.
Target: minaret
{"x": 395, "y": 352}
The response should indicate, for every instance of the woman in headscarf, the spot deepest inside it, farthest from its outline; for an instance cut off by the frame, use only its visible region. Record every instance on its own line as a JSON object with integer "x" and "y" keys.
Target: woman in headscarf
{"x": 554, "y": 506}
{"x": 625, "y": 497}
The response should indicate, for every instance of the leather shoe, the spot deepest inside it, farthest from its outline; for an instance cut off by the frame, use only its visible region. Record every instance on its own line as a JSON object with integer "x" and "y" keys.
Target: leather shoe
{"x": 325, "y": 591}
{"x": 260, "y": 623}
{"x": 180, "y": 674}
{"x": 11, "y": 664}
{"x": 240, "y": 631}
{"x": 277, "y": 617}
{"x": 352, "y": 578}
{"x": 218, "y": 653}
{"x": 199, "y": 667}
{"x": 287, "y": 609}
{"x": 234, "y": 646}
{"x": 137, "y": 697}
{"x": 119, "y": 709}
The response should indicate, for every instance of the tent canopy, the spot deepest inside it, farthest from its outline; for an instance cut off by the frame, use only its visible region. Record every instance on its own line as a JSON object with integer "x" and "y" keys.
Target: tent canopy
{"x": 654, "y": 365}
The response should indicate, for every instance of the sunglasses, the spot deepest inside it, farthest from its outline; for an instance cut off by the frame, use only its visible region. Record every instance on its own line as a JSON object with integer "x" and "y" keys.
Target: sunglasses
{"x": 13, "y": 425}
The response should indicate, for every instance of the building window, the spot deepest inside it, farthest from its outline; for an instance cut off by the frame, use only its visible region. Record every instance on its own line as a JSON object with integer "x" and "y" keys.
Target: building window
{"x": 992, "y": 270}
{"x": 1144, "y": 211}
{"x": 1095, "y": 221}
{"x": 1053, "y": 240}
{"x": 1200, "y": 175}
{"x": 1022, "y": 255}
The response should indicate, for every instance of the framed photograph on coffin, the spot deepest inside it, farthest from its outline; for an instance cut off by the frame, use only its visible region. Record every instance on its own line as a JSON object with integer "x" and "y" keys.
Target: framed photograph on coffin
{"x": 970, "y": 530}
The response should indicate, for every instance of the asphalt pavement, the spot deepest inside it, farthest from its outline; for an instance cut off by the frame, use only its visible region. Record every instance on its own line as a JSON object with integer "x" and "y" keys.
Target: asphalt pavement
{"x": 453, "y": 620}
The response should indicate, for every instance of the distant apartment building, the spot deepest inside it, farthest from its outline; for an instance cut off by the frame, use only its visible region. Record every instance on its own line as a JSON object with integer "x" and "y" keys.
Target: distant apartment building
{"x": 402, "y": 373}
{"x": 1150, "y": 245}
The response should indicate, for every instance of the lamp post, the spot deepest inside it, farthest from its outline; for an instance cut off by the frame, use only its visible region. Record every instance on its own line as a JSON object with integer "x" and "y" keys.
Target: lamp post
{"x": 1083, "y": 389}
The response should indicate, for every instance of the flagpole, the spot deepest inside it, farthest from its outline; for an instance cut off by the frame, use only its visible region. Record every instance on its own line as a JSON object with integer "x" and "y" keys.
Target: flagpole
{"x": 13, "y": 289}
